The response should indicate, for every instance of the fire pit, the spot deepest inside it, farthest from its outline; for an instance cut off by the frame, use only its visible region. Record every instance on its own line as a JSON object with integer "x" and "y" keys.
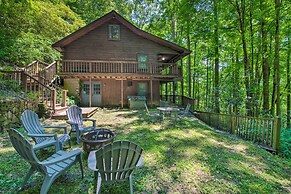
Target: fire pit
{"x": 95, "y": 139}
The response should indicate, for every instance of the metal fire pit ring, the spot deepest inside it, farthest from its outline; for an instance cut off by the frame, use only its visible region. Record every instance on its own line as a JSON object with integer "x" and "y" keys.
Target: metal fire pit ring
{"x": 96, "y": 139}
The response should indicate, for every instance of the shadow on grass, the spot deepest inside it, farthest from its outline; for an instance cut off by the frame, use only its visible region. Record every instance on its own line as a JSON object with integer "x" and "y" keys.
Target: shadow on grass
{"x": 180, "y": 156}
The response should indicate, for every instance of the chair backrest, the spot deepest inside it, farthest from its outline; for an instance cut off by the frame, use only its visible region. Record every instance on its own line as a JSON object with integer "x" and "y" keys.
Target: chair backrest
{"x": 74, "y": 114}
{"x": 187, "y": 108}
{"x": 31, "y": 124}
{"x": 116, "y": 161}
{"x": 23, "y": 147}
{"x": 147, "y": 108}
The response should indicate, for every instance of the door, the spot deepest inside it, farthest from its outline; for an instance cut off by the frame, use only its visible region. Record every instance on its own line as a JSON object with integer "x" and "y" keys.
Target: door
{"x": 142, "y": 89}
{"x": 85, "y": 94}
{"x": 96, "y": 94}
{"x": 95, "y": 91}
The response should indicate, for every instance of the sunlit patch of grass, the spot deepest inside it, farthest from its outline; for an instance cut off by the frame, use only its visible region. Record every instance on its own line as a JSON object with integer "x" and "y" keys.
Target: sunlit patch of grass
{"x": 182, "y": 156}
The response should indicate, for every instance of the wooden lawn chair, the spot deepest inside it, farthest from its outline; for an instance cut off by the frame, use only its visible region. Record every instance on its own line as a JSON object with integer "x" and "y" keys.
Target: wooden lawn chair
{"x": 52, "y": 167}
{"x": 75, "y": 119}
{"x": 115, "y": 162}
{"x": 35, "y": 130}
{"x": 153, "y": 115}
{"x": 185, "y": 111}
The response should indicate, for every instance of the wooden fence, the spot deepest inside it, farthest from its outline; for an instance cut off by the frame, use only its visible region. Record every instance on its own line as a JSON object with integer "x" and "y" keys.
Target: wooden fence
{"x": 263, "y": 131}
{"x": 179, "y": 100}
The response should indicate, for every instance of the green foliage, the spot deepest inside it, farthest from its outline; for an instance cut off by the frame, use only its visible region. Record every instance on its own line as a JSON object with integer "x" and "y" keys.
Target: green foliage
{"x": 285, "y": 142}
{"x": 72, "y": 100}
{"x": 29, "y": 28}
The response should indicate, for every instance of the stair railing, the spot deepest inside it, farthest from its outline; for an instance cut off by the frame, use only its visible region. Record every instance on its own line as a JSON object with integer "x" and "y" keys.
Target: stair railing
{"x": 29, "y": 84}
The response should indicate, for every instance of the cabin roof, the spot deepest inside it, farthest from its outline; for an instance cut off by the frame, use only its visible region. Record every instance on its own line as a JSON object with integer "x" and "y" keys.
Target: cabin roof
{"x": 113, "y": 14}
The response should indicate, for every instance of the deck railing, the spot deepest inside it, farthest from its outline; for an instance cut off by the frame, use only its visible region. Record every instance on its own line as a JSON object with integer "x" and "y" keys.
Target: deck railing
{"x": 263, "y": 131}
{"x": 80, "y": 66}
{"x": 29, "y": 84}
{"x": 45, "y": 72}
{"x": 179, "y": 100}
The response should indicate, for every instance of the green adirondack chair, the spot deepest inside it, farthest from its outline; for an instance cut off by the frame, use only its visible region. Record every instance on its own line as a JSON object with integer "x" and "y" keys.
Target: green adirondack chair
{"x": 35, "y": 130}
{"x": 75, "y": 119}
{"x": 154, "y": 116}
{"x": 185, "y": 112}
{"x": 114, "y": 162}
{"x": 51, "y": 167}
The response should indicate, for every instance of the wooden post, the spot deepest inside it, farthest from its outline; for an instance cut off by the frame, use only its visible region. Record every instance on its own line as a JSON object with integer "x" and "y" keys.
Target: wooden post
{"x": 121, "y": 93}
{"x": 276, "y": 133}
{"x": 233, "y": 124}
{"x": 151, "y": 83}
{"x": 54, "y": 101}
{"x": 174, "y": 92}
{"x": 36, "y": 68}
{"x": 90, "y": 93}
{"x": 90, "y": 67}
{"x": 64, "y": 98}
{"x": 24, "y": 81}
{"x": 166, "y": 91}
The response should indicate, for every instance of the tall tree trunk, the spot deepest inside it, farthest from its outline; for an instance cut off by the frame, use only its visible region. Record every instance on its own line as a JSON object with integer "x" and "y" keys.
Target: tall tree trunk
{"x": 189, "y": 60}
{"x": 216, "y": 59}
{"x": 288, "y": 85}
{"x": 241, "y": 9}
{"x": 207, "y": 83}
{"x": 194, "y": 68}
{"x": 265, "y": 61}
{"x": 276, "y": 58}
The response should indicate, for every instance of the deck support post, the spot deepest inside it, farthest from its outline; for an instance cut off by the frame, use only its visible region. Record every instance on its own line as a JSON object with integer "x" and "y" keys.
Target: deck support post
{"x": 121, "y": 93}
{"x": 90, "y": 93}
{"x": 151, "y": 83}
{"x": 64, "y": 98}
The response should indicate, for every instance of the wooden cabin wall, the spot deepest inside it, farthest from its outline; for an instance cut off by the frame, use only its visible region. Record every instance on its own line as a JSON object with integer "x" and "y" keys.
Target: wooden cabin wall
{"x": 96, "y": 46}
{"x": 73, "y": 86}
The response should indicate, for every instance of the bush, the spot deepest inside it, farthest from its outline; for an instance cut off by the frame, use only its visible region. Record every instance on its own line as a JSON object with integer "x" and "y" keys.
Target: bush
{"x": 285, "y": 140}
{"x": 72, "y": 100}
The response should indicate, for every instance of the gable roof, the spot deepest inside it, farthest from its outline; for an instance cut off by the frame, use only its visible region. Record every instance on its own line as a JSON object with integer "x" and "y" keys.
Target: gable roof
{"x": 99, "y": 22}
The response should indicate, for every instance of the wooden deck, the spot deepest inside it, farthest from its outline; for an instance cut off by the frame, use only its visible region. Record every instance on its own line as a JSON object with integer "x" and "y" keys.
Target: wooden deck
{"x": 86, "y": 112}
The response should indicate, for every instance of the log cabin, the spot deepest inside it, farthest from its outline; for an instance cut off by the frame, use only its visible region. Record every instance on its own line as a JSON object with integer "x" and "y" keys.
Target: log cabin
{"x": 110, "y": 59}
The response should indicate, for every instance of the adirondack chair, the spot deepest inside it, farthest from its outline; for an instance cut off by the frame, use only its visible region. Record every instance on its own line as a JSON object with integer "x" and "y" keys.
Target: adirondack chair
{"x": 52, "y": 167}
{"x": 75, "y": 119}
{"x": 154, "y": 116}
{"x": 35, "y": 130}
{"x": 115, "y": 162}
{"x": 185, "y": 111}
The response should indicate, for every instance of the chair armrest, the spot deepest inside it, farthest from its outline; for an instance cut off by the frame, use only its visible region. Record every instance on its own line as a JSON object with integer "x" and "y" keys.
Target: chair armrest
{"x": 92, "y": 120}
{"x": 43, "y": 135}
{"x": 63, "y": 157}
{"x": 72, "y": 123}
{"x": 58, "y": 127}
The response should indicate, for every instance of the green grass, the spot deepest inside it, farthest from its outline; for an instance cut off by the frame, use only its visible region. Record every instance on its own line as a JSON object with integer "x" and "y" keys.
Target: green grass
{"x": 181, "y": 157}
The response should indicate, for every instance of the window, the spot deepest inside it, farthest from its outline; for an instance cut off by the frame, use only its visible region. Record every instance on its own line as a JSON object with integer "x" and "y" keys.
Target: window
{"x": 142, "y": 61}
{"x": 86, "y": 89}
{"x": 114, "y": 32}
{"x": 96, "y": 89}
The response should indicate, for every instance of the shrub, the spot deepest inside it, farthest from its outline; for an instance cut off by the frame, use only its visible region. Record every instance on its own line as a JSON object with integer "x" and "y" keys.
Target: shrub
{"x": 285, "y": 140}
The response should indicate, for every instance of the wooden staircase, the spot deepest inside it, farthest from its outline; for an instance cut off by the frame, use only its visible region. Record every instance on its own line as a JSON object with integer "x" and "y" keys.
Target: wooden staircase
{"x": 39, "y": 78}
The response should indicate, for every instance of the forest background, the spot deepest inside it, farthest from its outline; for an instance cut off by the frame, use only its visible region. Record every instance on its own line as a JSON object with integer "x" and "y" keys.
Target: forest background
{"x": 240, "y": 59}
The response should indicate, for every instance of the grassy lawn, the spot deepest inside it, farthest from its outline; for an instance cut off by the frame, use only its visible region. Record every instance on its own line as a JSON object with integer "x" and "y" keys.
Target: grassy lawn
{"x": 181, "y": 157}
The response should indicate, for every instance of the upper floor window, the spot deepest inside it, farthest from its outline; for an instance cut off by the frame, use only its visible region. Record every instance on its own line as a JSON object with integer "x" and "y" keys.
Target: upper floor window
{"x": 142, "y": 61}
{"x": 114, "y": 32}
